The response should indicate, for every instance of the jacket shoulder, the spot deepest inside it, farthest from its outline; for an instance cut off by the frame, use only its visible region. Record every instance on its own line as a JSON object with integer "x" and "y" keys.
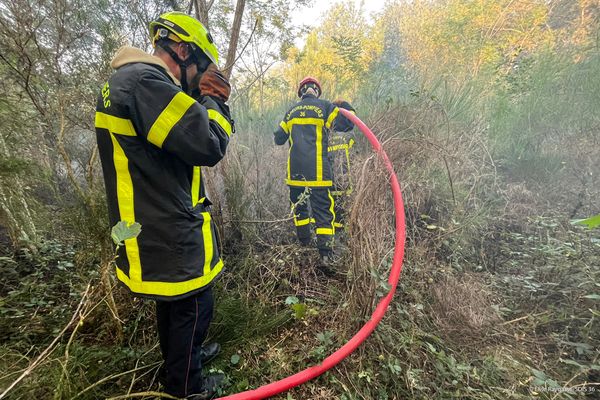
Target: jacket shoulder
{"x": 135, "y": 71}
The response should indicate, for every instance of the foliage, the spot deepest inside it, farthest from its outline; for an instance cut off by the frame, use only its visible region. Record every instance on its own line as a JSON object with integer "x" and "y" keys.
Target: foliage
{"x": 591, "y": 222}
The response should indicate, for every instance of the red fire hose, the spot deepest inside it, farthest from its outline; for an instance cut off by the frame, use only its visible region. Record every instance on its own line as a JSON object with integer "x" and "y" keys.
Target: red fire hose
{"x": 303, "y": 376}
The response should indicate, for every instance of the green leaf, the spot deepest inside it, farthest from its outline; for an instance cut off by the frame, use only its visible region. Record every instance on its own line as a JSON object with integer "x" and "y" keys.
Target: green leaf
{"x": 292, "y": 300}
{"x": 124, "y": 230}
{"x": 299, "y": 310}
{"x": 235, "y": 359}
{"x": 591, "y": 222}
{"x": 573, "y": 362}
{"x": 242, "y": 385}
{"x": 592, "y": 296}
{"x": 539, "y": 374}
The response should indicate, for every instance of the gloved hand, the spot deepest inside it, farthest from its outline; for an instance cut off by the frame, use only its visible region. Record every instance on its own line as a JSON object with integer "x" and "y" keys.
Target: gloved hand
{"x": 343, "y": 104}
{"x": 213, "y": 83}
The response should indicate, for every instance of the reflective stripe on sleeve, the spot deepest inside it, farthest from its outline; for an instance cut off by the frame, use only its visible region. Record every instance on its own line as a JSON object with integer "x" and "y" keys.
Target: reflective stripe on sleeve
{"x": 284, "y": 126}
{"x": 332, "y": 116}
{"x": 216, "y": 116}
{"x": 170, "y": 116}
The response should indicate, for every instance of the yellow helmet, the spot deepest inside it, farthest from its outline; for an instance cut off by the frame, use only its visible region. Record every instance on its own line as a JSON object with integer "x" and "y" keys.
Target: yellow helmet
{"x": 179, "y": 27}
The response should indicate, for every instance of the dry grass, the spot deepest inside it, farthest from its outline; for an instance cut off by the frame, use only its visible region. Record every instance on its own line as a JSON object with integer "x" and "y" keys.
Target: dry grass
{"x": 462, "y": 309}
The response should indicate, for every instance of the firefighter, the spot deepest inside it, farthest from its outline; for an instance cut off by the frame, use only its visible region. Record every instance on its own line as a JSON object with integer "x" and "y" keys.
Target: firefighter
{"x": 309, "y": 175}
{"x": 153, "y": 138}
{"x": 340, "y": 144}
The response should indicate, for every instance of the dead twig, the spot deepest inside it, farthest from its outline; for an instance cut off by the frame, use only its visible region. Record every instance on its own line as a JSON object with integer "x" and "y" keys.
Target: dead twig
{"x": 144, "y": 394}
{"x": 111, "y": 377}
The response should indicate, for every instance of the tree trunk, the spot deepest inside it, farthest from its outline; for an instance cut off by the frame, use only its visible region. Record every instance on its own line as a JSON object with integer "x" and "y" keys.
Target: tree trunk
{"x": 235, "y": 35}
{"x": 202, "y": 12}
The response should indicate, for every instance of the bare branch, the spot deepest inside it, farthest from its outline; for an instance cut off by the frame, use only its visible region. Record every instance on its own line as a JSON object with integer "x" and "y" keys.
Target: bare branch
{"x": 235, "y": 35}
{"x": 229, "y": 66}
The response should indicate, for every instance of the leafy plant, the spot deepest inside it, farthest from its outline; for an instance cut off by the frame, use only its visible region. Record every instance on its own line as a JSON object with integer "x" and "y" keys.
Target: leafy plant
{"x": 591, "y": 222}
{"x": 124, "y": 230}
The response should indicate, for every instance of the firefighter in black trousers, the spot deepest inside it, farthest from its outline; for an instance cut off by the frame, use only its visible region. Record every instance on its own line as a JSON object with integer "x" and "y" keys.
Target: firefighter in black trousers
{"x": 309, "y": 175}
{"x": 153, "y": 138}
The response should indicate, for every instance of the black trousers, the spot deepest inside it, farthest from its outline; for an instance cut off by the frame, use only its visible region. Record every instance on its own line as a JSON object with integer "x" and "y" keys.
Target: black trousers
{"x": 182, "y": 327}
{"x": 323, "y": 216}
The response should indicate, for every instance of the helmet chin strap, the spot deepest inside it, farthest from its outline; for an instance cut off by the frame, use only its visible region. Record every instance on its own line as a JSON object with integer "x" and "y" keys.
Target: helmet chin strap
{"x": 201, "y": 61}
{"x": 183, "y": 64}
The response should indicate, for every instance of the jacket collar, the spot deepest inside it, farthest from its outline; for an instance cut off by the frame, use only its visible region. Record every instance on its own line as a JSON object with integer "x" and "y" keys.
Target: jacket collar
{"x": 129, "y": 55}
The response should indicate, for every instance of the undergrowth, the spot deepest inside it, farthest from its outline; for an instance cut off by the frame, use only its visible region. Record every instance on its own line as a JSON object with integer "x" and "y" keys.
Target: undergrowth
{"x": 498, "y": 298}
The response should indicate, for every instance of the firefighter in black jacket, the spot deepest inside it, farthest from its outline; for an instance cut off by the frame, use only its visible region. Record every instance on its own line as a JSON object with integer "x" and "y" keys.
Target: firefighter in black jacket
{"x": 340, "y": 144}
{"x": 153, "y": 138}
{"x": 309, "y": 175}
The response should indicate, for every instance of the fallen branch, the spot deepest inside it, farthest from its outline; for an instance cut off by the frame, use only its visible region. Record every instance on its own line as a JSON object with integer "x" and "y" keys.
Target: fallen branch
{"x": 144, "y": 394}
{"x": 108, "y": 378}
{"x": 514, "y": 320}
{"x": 259, "y": 221}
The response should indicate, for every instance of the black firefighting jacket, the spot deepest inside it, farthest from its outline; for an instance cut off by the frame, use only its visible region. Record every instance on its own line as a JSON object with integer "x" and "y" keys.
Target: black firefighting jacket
{"x": 340, "y": 144}
{"x": 341, "y": 123}
{"x": 152, "y": 140}
{"x": 306, "y": 125}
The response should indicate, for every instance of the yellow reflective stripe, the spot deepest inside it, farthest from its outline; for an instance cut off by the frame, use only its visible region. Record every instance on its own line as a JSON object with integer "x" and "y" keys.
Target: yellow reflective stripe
{"x": 332, "y": 210}
{"x": 208, "y": 242}
{"x": 289, "y": 162}
{"x": 283, "y": 126}
{"x": 220, "y": 119}
{"x": 303, "y": 121}
{"x": 196, "y": 185}
{"x": 126, "y": 207}
{"x": 332, "y": 116}
{"x": 120, "y": 126}
{"x": 301, "y": 222}
{"x": 341, "y": 192}
{"x": 293, "y": 182}
{"x": 167, "y": 119}
{"x": 338, "y": 225}
{"x": 348, "y": 160}
{"x": 319, "y": 124}
{"x": 319, "y": 127}
{"x": 338, "y": 147}
{"x": 169, "y": 288}
{"x": 325, "y": 231}
{"x": 319, "y": 153}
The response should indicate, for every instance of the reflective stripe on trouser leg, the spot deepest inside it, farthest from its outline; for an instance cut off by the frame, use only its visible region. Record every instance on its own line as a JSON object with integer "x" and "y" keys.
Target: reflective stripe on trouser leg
{"x": 301, "y": 216}
{"x": 322, "y": 205}
{"x": 338, "y": 199}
